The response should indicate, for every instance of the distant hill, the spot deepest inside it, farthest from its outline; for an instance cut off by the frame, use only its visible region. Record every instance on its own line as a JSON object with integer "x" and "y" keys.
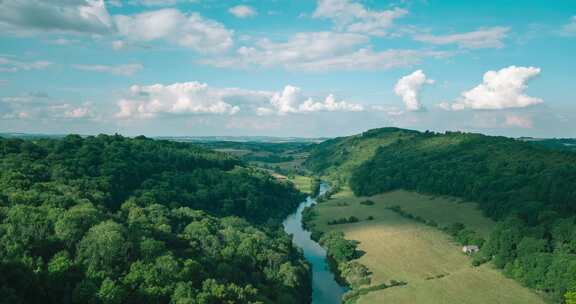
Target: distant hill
{"x": 338, "y": 157}
{"x": 246, "y": 139}
{"x": 562, "y": 144}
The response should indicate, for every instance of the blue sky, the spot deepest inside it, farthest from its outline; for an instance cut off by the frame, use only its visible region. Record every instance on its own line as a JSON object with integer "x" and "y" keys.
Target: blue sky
{"x": 287, "y": 68}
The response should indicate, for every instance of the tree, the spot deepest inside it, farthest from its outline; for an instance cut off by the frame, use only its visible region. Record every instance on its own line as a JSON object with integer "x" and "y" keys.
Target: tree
{"x": 104, "y": 249}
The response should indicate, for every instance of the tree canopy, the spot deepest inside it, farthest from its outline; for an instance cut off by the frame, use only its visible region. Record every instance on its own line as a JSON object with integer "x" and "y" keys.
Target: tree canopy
{"x": 109, "y": 219}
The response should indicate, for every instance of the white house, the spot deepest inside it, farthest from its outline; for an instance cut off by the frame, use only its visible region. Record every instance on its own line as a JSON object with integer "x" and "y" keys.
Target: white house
{"x": 470, "y": 249}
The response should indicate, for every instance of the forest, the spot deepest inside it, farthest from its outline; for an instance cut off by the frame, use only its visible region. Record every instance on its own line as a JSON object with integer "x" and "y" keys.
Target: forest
{"x": 528, "y": 188}
{"x": 110, "y": 219}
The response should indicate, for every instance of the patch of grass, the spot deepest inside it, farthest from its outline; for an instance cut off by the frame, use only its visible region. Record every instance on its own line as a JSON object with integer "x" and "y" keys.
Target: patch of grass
{"x": 302, "y": 183}
{"x": 403, "y": 249}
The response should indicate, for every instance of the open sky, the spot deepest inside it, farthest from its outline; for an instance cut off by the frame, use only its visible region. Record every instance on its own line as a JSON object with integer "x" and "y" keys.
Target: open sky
{"x": 287, "y": 67}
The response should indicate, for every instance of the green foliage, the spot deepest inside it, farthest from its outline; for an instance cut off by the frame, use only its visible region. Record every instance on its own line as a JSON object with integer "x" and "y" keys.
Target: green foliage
{"x": 528, "y": 187}
{"x": 504, "y": 175}
{"x": 349, "y": 220}
{"x": 353, "y": 296}
{"x": 570, "y": 297}
{"x": 356, "y": 274}
{"x": 109, "y": 219}
{"x": 337, "y": 158}
{"x": 367, "y": 203}
{"x": 338, "y": 248}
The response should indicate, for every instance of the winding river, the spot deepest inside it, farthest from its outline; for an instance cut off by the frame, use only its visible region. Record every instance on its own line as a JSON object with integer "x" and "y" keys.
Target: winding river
{"x": 325, "y": 289}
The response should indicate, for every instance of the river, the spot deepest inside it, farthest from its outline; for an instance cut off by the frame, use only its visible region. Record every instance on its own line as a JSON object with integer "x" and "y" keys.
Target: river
{"x": 325, "y": 289}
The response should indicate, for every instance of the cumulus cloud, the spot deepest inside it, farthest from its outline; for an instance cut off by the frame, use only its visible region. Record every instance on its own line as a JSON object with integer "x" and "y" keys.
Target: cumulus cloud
{"x": 352, "y": 16}
{"x": 242, "y": 11}
{"x": 291, "y": 100}
{"x": 121, "y": 70}
{"x": 409, "y": 86}
{"x": 9, "y": 64}
{"x": 187, "y": 30}
{"x": 190, "y": 98}
{"x": 321, "y": 51}
{"x": 178, "y": 98}
{"x": 31, "y": 16}
{"x": 503, "y": 89}
{"x": 481, "y": 38}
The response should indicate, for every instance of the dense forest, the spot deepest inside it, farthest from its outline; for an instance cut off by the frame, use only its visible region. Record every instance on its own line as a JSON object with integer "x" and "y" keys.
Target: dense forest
{"x": 529, "y": 188}
{"x": 109, "y": 219}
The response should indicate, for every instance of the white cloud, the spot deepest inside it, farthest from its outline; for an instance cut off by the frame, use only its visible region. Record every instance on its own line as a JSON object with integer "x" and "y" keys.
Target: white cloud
{"x": 187, "y": 30}
{"x": 33, "y": 16}
{"x": 354, "y": 17}
{"x": 291, "y": 100}
{"x": 320, "y": 51}
{"x": 12, "y": 65}
{"x": 198, "y": 98}
{"x": 121, "y": 70}
{"x": 243, "y": 11}
{"x": 159, "y": 2}
{"x": 177, "y": 98}
{"x": 513, "y": 120}
{"x": 409, "y": 86}
{"x": 570, "y": 28}
{"x": 62, "y": 41}
{"x": 118, "y": 45}
{"x": 481, "y": 38}
{"x": 41, "y": 106}
{"x": 503, "y": 89}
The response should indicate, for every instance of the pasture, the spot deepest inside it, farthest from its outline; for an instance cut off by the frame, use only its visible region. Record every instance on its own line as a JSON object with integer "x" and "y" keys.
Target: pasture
{"x": 427, "y": 259}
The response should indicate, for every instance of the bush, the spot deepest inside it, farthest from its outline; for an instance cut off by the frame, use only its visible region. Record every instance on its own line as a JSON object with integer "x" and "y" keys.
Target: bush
{"x": 367, "y": 203}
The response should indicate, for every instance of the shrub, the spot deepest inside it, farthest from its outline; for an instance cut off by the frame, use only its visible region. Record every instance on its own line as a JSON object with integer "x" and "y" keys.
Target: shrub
{"x": 367, "y": 203}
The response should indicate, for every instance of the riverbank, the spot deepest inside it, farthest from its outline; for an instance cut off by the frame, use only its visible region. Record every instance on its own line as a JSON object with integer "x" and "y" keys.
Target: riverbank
{"x": 325, "y": 289}
{"x": 404, "y": 250}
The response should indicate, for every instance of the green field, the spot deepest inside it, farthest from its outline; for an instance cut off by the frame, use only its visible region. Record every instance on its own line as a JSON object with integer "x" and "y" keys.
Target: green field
{"x": 400, "y": 249}
{"x": 302, "y": 183}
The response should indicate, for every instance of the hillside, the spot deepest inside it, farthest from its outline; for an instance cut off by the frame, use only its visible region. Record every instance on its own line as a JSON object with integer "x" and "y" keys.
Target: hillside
{"x": 337, "y": 158}
{"x": 528, "y": 188}
{"x": 109, "y": 219}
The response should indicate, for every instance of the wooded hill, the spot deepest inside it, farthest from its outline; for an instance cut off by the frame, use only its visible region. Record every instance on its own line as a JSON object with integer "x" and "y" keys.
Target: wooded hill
{"x": 530, "y": 189}
{"x": 109, "y": 219}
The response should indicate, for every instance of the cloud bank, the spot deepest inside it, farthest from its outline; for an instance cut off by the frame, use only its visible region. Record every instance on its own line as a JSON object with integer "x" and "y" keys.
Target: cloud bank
{"x": 198, "y": 98}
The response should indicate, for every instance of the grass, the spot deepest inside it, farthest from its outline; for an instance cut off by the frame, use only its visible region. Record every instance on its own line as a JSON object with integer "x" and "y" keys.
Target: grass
{"x": 397, "y": 248}
{"x": 302, "y": 183}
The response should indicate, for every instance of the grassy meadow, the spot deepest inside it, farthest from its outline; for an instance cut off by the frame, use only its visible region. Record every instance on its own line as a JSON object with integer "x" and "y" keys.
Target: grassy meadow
{"x": 427, "y": 259}
{"x": 302, "y": 183}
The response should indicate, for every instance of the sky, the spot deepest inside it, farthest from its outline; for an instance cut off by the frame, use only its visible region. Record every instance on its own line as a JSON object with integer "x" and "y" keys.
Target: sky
{"x": 300, "y": 68}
